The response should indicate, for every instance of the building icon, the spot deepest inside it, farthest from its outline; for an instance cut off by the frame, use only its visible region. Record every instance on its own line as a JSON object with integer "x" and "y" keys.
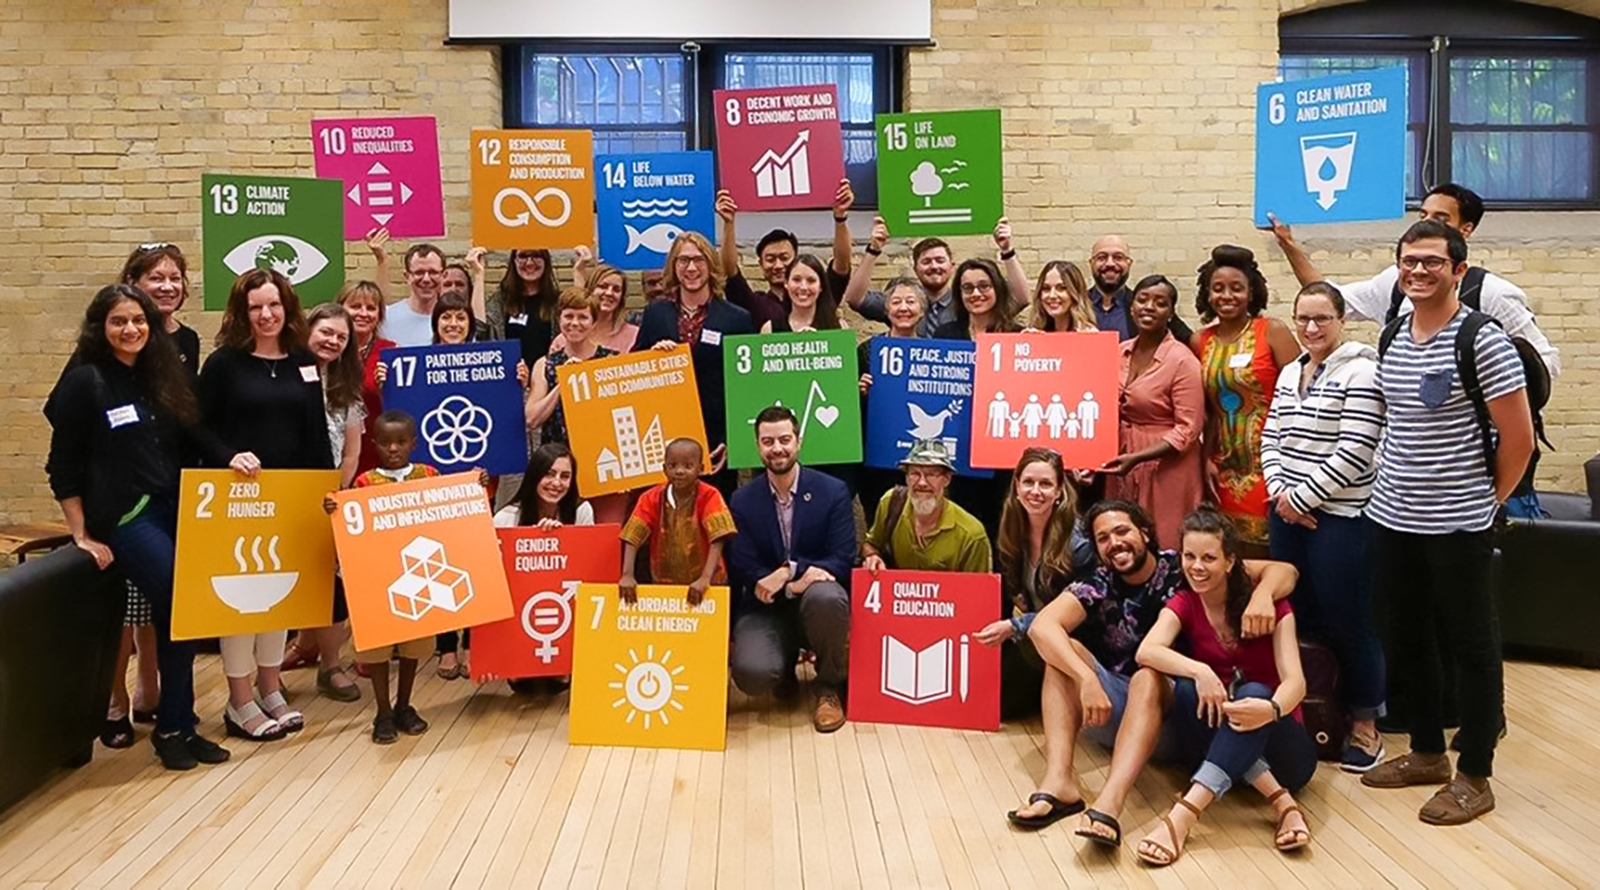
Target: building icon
{"x": 634, "y": 456}
{"x": 785, "y": 174}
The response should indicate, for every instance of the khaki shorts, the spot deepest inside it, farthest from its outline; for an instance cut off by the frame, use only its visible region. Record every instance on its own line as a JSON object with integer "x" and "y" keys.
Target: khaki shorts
{"x": 414, "y": 649}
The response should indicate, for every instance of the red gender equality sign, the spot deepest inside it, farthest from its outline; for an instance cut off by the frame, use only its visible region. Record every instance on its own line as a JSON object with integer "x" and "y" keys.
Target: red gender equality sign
{"x": 780, "y": 148}
{"x": 914, "y": 653}
{"x": 1057, "y": 391}
{"x": 544, "y": 569}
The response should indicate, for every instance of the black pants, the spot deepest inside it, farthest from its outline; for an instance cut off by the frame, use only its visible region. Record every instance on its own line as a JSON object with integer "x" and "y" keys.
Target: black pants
{"x": 1437, "y": 591}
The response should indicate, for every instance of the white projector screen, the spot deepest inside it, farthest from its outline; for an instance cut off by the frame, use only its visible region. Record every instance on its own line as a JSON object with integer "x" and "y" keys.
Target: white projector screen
{"x": 887, "y": 21}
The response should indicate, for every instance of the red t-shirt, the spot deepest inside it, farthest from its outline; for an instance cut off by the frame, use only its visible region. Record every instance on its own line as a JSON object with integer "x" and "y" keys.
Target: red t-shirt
{"x": 1253, "y": 657}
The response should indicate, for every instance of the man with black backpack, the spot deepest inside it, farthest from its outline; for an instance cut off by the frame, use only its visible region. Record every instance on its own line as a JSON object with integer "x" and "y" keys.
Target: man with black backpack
{"x": 1442, "y": 476}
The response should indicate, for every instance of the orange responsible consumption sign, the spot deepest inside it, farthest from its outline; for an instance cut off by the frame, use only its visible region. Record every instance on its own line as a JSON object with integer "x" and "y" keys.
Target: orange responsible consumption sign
{"x": 622, "y": 412}
{"x": 419, "y": 558}
{"x": 653, "y": 674}
{"x": 254, "y": 555}
{"x": 1056, "y": 391}
{"x": 532, "y": 188}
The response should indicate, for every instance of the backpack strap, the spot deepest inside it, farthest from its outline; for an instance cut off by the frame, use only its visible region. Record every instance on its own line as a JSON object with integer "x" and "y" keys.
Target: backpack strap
{"x": 897, "y": 508}
{"x": 1470, "y": 291}
{"x": 1397, "y": 297}
{"x": 1467, "y": 367}
{"x": 1391, "y": 329}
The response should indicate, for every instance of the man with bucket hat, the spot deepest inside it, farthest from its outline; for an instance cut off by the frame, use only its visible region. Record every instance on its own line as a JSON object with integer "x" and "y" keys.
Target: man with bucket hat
{"x": 918, "y": 528}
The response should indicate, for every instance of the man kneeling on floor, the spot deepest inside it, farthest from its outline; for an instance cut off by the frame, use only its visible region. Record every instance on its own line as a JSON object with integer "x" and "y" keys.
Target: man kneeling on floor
{"x": 1093, "y": 682}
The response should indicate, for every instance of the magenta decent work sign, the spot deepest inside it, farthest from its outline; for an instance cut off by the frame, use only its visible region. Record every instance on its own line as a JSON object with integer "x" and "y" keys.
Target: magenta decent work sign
{"x": 780, "y": 148}
{"x": 390, "y": 170}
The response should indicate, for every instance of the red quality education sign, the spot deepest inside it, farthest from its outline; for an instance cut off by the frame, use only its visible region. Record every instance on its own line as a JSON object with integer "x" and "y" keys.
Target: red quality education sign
{"x": 544, "y": 569}
{"x": 780, "y": 148}
{"x": 914, "y": 653}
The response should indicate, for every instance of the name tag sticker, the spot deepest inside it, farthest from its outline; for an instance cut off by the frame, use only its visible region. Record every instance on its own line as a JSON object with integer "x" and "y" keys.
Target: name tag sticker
{"x": 1242, "y": 360}
{"x": 711, "y": 338}
{"x": 308, "y": 373}
{"x": 122, "y": 416}
{"x": 518, "y": 319}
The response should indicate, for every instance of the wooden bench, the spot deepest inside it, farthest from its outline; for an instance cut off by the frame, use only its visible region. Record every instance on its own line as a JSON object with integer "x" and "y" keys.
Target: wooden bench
{"x": 17, "y": 541}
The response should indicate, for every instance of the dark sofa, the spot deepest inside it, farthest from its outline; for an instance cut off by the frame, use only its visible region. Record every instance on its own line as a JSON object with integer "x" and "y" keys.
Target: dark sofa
{"x": 60, "y": 623}
{"x": 1548, "y": 579}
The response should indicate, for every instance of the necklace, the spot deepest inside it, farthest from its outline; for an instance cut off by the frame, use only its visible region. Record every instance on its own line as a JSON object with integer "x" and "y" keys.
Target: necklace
{"x": 272, "y": 366}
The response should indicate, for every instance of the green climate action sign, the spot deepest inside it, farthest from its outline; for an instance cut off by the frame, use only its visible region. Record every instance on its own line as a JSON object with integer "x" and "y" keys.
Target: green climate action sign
{"x": 939, "y": 172}
{"x": 293, "y": 225}
{"x": 814, "y": 374}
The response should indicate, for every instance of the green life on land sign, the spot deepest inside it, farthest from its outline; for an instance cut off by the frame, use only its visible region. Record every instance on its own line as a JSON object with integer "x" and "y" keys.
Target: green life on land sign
{"x": 812, "y": 373}
{"x": 939, "y": 172}
{"x": 295, "y": 226}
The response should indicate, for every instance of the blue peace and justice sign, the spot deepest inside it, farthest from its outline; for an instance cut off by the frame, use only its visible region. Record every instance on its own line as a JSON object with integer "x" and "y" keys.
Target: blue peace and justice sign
{"x": 466, "y": 402}
{"x": 646, "y": 200}
{"x": 1332, "y": 149}
{"x": 921, "y": 389}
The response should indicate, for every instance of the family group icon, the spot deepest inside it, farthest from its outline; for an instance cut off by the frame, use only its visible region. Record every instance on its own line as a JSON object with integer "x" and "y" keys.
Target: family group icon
{"x": 1008, "y": 422}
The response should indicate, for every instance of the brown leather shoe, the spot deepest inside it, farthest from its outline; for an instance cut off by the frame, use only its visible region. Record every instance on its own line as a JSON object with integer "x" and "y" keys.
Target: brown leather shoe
{"x": 1409, "y": 769}
{"x": 829, "y": 715}
{"x": 1458, "y": 803}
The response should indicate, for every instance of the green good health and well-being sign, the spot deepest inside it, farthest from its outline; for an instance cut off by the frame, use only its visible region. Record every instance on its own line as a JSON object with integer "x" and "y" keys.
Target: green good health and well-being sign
{"x": 812, "y": 373}
{"x": 939, "y": 172}
{"x": 295, "y": 226}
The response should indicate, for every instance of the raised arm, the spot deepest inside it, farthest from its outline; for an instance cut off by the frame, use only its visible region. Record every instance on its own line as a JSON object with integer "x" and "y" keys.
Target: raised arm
{"x": 377, "y": 242}
{"x": 843, "y": 200}
{"x": 727, "y": 239}
{"x": 1016, "y": 276}
{"x": 856, "y": 294}
{"x": 480, "y": 308}
{"x": 1304, "y": 270}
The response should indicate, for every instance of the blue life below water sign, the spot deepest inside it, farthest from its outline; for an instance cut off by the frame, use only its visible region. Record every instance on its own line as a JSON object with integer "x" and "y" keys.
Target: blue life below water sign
{"x": 1332, "y": 149}
{"x": 645, "y": 201}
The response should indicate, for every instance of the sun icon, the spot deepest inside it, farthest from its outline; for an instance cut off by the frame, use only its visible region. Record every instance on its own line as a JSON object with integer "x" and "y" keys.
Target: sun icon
{"x": 648, "y": 686}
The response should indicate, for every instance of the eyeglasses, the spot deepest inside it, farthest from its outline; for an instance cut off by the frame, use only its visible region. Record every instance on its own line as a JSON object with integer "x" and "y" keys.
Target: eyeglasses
{"x": 1112, "y": 257}
{"x": 982, "y": 287}
{"x": 528, "y": 257}
{"x": 1321, "y": 321}
{"x": 155, "y": 245}
{"x": 1431, "y": 263}
{"x": 687, "y": 261}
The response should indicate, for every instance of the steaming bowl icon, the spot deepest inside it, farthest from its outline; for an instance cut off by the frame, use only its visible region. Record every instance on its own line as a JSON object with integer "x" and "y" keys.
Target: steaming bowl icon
{"x": 254, "y": 594}
{"x": 251, "y": 593}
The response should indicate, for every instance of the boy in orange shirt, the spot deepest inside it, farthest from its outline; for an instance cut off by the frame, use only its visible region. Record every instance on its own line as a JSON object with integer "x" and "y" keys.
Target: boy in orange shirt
{"x": 686, "y": 522}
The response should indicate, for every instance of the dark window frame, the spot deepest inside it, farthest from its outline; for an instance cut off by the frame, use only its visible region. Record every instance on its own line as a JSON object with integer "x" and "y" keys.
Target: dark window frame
{"x": 1523, "y": 31}
{"x": 704, "y": 69}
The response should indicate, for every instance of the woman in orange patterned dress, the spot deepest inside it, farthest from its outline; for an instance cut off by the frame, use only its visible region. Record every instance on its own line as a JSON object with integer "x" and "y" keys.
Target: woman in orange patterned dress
{"x": 1240, "y": 354}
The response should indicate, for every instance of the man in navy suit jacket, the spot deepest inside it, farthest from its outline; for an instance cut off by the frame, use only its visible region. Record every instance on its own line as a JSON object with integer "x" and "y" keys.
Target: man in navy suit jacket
{"x": 790, "y": 566}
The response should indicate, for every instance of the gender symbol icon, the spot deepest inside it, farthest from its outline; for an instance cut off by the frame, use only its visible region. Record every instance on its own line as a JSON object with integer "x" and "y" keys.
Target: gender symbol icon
{"x": 546, "y": 617}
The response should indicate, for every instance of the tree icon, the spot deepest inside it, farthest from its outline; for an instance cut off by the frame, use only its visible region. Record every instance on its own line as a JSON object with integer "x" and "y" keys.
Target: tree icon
{"x": 926, "y": 182}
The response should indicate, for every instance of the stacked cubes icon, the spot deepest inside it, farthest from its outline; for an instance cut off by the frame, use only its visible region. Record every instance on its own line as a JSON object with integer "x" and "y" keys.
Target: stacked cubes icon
{"x": 428, "y": 581}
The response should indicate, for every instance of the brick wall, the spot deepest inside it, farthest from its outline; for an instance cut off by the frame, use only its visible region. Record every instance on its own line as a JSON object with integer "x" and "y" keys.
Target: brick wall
{"x": 1134, "y": 117}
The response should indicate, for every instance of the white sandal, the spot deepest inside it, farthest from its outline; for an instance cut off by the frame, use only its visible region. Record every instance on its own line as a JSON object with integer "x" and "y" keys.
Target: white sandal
{"x": 277, "y": 707}
{"x": 234, "y": 720}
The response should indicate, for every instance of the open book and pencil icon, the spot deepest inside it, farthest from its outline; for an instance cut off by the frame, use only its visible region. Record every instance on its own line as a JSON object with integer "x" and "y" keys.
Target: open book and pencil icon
{"x": 919, "y": 677}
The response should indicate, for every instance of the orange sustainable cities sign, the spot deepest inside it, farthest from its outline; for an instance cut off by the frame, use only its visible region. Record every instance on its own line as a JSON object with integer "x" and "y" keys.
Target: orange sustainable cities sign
{"x": 622, "y": 412}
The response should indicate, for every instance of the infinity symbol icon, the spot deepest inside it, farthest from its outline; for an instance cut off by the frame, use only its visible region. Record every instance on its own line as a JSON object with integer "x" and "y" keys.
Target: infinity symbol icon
{"x": 532, "y": 204}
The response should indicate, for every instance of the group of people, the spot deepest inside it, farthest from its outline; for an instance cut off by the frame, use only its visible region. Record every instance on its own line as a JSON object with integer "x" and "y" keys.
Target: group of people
{"x": 1292, "y": 475}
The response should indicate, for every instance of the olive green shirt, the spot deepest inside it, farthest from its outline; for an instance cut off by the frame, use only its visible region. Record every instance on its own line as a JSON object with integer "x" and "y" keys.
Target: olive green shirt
{"x": 960, "y": 544}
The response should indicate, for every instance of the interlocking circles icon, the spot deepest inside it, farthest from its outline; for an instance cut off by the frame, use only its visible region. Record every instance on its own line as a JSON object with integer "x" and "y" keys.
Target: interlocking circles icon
{"x": 457, "y": 432}
{"x": 532, "y": 204}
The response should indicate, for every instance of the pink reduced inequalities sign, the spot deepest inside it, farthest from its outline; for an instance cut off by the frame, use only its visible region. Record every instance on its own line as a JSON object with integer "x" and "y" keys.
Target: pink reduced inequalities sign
{"x": 390, "y": 170}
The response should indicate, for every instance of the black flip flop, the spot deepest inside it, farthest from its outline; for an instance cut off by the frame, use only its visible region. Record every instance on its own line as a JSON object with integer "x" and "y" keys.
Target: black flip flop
{"x": 1108, "y": 821}
{"x": 117, "y": 733}
{"x": 1058, "y": 811}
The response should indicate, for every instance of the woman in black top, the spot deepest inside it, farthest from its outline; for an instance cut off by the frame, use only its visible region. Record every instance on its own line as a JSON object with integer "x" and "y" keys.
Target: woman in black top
{"x": 523, "y": 307}
{"x": 261, "y": 393}
{"x": 122, "y": 422}
{"x": 161, "y": 272}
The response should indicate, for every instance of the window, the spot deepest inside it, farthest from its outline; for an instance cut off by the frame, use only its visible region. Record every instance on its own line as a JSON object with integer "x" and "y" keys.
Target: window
{"x": 1504, "y": 97}
{"x": 659, "y": 98}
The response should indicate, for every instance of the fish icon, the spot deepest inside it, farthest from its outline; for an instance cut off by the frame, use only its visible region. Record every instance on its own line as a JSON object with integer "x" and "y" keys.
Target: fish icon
{"x": 658, "y": 238}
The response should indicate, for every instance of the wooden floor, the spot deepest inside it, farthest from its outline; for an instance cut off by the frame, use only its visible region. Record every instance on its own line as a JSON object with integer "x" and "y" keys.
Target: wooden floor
{"x": 492, "y": 796}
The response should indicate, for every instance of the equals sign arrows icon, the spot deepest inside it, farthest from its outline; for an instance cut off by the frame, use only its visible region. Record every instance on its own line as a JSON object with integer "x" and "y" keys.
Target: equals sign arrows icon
{"x": 379, "y": 193}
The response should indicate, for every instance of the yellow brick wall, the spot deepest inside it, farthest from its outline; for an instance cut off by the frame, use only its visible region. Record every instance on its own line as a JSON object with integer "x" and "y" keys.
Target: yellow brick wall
{"x": 1132, "y": 116}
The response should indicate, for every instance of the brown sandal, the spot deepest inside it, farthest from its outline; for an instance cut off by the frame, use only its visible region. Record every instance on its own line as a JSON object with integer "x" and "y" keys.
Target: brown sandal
{"x": 1305, "y": 833}
{"x": 1170, "y": 854}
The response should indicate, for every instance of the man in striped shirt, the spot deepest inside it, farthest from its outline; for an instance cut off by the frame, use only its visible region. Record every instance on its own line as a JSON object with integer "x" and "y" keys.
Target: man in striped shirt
{"x": 1434, "y": 504}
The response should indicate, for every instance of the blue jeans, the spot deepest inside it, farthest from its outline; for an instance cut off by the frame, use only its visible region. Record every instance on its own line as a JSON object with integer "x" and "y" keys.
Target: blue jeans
{"x": 1333, "y": 600}
{"x": 145, "y": 553}
{"x": 1282, "y": 747}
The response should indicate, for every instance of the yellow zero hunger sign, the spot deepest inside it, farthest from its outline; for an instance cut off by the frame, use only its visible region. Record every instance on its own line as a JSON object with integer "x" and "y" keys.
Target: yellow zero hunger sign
{"x": 254, "y": 555}
{"x": 653, "y": 674}
{"x": 532, "y": 188}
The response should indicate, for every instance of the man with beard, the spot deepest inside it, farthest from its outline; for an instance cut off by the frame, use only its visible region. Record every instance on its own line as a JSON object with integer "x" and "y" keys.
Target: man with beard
{"x": 789, "y": 565}
{"x": 409, "y": 322}
{"x": 1088, "y": 638}
{"x": 935, "y": 534}
{"x": 1110, "y": 263}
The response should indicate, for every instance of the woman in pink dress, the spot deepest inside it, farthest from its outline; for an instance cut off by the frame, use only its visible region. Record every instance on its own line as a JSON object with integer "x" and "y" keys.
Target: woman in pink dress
{"x": 1162, "y": 415}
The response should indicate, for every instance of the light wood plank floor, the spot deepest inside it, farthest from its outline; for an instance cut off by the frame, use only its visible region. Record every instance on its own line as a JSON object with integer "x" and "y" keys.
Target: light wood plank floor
{"x": 492, "y": 796}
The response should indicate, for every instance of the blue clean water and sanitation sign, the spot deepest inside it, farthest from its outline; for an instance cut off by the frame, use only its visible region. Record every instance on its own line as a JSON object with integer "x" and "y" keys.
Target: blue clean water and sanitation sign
{"x": 466, "y": 402}
{"x": 646, "y": 200}
{"x": 1332, "y": 149}
{"x": 921, "y": 389}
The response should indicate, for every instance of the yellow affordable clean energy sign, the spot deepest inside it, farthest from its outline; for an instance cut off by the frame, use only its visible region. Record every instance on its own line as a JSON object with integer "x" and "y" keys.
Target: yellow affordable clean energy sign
{"x": 254, "y": 555}
{"x": 650, "y": 675}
